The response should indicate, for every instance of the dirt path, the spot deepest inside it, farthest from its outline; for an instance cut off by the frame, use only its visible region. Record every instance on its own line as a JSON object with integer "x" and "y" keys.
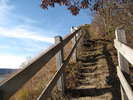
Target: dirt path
{"x": 97, "y": 79}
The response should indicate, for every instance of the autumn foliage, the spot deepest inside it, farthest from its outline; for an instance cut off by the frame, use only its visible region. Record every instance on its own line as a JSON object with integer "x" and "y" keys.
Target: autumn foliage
{"x": 73, "y": 5}
{"x": 112, "y": 14}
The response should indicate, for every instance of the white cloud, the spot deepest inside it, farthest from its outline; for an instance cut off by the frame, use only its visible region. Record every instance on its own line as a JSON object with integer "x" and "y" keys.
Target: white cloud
{"x": 36, "y": 49}
{"x": 4, "y": 47}
{"x": 23, "y": 18}
{"x": 30, "y": 20}
{"x": 4, "y": 6}
{"x": 11, "y": 61}
{"x": 28, "y": 49}
{"x": 22, "y": 33}
{"x": 6, "y": 14}
{"x": 59, "y": 24}
{"x": 4, "y": 9}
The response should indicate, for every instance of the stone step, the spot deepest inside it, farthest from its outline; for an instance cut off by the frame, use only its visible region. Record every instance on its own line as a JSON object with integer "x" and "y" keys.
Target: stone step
{"x": 88, "y": 69}
{"x": 106, "y": 96}
{"x": 90, "y": 75}
{"x": 87, "y": 90}
{"x": 95, "y": 74}
{"x": 89, "y": 64}
{"x": 91, "y": 81}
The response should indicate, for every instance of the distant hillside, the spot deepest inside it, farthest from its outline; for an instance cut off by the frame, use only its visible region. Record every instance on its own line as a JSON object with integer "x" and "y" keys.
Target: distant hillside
{"x": 6, "y": 71}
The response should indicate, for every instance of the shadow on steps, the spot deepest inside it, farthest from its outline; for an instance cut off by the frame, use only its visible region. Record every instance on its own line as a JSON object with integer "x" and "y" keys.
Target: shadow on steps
{"x": 90, "y": 91}
{"x": 93, "y": 51}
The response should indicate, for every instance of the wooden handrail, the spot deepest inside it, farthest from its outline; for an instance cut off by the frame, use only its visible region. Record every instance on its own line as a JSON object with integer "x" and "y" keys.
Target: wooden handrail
{"x": 124, "y": 55}
{"x": 126, "y": 51}
{"x": 45, "y": 94}
{"x": 12, "y": 85}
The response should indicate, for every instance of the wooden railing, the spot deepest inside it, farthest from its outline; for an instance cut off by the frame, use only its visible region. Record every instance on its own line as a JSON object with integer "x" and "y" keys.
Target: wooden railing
{"x": 12, "y": 85}
{"x": 125, "y": 54}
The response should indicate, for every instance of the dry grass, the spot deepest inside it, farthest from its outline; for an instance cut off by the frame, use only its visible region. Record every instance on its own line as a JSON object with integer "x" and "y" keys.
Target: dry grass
{"x": 33, "y": 88}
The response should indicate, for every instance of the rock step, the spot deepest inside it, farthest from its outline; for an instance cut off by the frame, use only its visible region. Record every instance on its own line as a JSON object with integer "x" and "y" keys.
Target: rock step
{"x": 88, "y": 69}
{"x": 89, "y": 64}
{"x": 106, "y": 96}
{"x": 93, "y": 93}
{"x": 87, "y": 90}
{"x": 95, "y": 74}
{"x": 89, "y": 75}
{"x": 92, "y": 76}
{"x": 94, "y": 80}
{"x": 90, "y": 81}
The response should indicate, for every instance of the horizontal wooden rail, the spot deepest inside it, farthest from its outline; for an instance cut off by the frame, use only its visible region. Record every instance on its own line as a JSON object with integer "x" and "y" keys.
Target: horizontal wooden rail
{"x": 125, "y": 84}
{"x": 126, "y": 51}
{"x": 45, "y": 94}
{"x": 12, "y": 85}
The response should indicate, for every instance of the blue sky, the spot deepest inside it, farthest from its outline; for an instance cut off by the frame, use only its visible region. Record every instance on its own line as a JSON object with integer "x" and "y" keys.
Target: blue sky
{"x": 26, "y": 29}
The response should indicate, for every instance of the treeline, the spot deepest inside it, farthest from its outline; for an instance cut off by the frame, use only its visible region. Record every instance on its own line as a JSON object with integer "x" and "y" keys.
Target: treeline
{"x": 112, "y": 14}
{"x": 5, "y": 71}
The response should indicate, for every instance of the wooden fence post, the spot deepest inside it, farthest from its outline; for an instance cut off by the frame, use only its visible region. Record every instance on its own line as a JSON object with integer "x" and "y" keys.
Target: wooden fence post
{"x": 59, "y": 61}
{"x": 123, "y": 63}
{"x": 73, "y": 43}
{"x": 80, "y": 41}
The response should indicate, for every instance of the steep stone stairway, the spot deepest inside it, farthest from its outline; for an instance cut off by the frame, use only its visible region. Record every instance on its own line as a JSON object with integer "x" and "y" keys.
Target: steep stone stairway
{"x": 97, "y": 79}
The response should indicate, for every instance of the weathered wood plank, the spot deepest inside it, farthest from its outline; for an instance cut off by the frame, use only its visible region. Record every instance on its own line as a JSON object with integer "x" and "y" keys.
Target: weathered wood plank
{"x": 81, "y": 40}
{"x": 126, "y": 51}
{"x": 123, "y": 63}
{"x": 59, "y": 61}
{"x": 125, "y": 84}
{"x": 73, "y": 43}
{"x": 45, "y": 94}
{"x": 12, "y": 85}
{"x": 67, "y": 39}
